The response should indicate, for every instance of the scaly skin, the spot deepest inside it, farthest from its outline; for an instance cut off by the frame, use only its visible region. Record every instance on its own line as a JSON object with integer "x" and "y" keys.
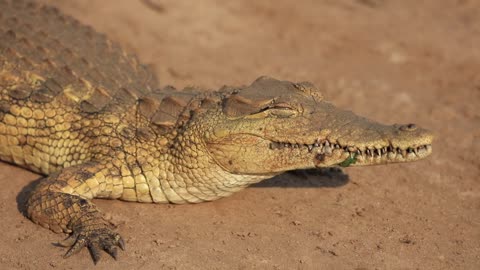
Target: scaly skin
{"x": 76, "y": 107}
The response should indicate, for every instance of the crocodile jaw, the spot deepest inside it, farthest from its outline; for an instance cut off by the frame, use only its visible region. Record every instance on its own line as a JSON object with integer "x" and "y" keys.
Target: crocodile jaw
{"x": 325, "y": 153}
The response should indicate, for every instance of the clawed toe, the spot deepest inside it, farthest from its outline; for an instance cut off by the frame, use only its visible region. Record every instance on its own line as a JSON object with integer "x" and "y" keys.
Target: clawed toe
{"x": 95, "y": 240}
{"x": 68, "y": 242}
{"x": 80, "y": 242}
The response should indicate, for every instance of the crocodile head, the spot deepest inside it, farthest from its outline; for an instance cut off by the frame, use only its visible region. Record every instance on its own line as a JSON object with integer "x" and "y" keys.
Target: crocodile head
{"x": 273, "y": 126}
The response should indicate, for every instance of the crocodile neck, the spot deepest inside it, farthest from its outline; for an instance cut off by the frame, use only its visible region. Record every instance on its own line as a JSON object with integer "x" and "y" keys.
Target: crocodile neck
{"x": 171, "y": 158}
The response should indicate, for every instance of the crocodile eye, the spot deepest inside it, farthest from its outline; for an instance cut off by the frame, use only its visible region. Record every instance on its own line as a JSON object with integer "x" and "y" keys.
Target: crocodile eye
{"x": 276, "y": 106}
{"x": 281, "y": 106}
{"x": 279, "y": 110}
{"x": 282, "y": 110}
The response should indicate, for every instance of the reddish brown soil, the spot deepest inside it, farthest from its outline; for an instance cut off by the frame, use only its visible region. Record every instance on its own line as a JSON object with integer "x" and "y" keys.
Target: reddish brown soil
{"x": 393, "y": 61}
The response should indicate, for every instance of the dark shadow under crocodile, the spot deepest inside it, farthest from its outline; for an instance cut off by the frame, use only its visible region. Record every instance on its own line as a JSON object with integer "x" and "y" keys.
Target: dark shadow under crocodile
{"x": 24, "y": 194}
{"x": 311, "y": 178}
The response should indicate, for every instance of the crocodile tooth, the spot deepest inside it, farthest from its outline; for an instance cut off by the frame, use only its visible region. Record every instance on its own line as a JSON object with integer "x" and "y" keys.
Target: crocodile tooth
{"x": 327, "y": 143}
{"x": 310, "y": 147}
{"x": 327, "y": 149}
{"x": 337, "y": 146}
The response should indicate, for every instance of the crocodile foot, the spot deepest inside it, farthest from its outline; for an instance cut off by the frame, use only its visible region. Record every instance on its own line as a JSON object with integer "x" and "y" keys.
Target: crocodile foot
{"x": 95, "y": 239}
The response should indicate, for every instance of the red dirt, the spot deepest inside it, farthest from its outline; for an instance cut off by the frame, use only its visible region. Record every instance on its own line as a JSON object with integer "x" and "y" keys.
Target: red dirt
{"x": 393, "y": 61}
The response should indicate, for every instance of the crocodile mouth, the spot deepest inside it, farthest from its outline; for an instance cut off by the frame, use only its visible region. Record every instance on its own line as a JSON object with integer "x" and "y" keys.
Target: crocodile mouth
{"x": 353, "y": 155}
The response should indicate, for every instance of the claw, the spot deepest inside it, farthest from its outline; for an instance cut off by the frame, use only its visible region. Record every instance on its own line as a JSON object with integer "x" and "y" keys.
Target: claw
{"x": 69, "y": 241}
{"x": 95, "y": 253}
{"x": 113, "y": 251}
{"x": 121, "y": 243}
{"x": 79, "y": 244}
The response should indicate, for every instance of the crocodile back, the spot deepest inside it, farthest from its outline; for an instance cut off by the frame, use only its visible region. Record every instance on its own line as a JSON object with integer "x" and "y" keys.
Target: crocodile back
{"x": 64, "y": 88}
{"x": 46, "y": 55}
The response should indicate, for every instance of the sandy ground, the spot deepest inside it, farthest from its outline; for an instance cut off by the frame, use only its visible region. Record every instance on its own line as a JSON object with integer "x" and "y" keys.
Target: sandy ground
{"x": 393, "y": 61}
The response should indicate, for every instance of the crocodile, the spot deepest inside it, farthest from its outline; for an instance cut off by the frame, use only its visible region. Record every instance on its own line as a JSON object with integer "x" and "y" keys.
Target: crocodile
{"x": 85, "y": 114}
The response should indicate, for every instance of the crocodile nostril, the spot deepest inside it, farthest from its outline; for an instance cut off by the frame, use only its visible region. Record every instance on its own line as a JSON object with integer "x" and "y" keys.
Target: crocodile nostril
{"x": 408, "y": 127}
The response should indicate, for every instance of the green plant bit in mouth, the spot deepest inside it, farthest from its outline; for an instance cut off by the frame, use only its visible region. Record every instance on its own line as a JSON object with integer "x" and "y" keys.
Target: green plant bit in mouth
{"x": 349, "y": 161}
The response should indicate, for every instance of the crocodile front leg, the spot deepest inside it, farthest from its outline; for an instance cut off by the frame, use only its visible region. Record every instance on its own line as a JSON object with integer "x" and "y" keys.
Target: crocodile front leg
{"x": 62, "y": 203}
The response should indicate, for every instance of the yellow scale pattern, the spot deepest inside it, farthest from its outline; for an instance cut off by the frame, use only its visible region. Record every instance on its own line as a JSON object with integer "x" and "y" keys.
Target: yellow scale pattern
{"x": 41, "y": 138}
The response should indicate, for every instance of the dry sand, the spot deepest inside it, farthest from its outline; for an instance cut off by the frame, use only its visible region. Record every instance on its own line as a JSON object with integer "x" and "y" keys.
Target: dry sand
{"x": 393, "y": 61}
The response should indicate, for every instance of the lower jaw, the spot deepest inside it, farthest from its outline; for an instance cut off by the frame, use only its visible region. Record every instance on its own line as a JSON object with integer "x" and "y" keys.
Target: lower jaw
{"x": 365, "y": 161}
{"x": 346, "y": 159}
